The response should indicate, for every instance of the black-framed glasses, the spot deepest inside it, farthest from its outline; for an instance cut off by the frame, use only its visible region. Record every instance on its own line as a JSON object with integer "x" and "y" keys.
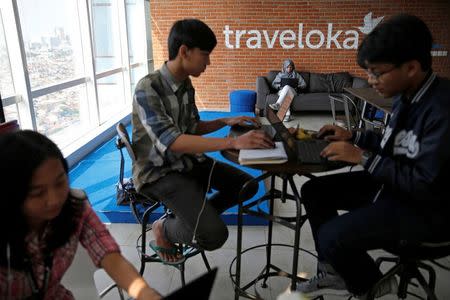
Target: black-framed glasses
{"x": 377, "y": 75}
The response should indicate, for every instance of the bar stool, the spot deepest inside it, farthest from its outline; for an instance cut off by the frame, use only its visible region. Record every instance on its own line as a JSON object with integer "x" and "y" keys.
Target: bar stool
{"x": 409, "y": 261}
{"x": 143, "y": 206}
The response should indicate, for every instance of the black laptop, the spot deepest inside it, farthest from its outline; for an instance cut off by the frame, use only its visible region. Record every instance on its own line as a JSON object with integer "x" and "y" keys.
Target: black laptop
{"x": 304, "y": 151}
{"x": 199, "y": 288}
{"x": 292, "y": 82}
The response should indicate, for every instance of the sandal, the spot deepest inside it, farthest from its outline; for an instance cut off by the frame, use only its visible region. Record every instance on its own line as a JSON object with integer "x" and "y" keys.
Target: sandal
{"x": 172, "y": 251}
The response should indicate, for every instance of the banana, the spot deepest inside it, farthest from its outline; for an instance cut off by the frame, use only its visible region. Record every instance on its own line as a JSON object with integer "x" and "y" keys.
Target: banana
{"x": 302, "y": 134}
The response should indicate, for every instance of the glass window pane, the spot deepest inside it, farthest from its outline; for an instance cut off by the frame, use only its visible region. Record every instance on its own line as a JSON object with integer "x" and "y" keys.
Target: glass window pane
{"x": 137, "y": 40}
{"x": 105, "y": 31}
{"x": 111, "y": 97}
{"x": 136, "y": 74}
{"x": 11, "y": 113}
{"x": 63, "y": 115}
{"x": 6, "y": 82}
{"x": 51, "y": 33}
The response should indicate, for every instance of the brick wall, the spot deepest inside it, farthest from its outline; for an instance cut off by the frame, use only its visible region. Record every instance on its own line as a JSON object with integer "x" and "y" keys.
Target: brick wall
{"x": 236, "y": 63}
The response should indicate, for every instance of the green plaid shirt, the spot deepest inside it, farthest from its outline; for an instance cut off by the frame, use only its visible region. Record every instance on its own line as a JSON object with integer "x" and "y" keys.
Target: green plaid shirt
{"x": 163, "y": 109}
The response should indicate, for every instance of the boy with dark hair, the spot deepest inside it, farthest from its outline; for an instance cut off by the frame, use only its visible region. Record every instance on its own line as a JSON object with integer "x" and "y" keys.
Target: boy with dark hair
{"x": 167, "y": 138}
{"x": 400, "y": 198}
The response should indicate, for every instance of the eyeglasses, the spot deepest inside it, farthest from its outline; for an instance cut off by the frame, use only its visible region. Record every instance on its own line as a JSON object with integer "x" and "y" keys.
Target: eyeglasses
{"x": 377, "y": 75}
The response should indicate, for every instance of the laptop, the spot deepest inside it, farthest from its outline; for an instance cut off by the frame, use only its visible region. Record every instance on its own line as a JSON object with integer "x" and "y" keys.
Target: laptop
{"x": 238, "y": 130}
{"x": 285, "y": 105}
{"x": 305, "y": 151}
{"x": 292, "y": 82}
{"x": 200, "y": 288}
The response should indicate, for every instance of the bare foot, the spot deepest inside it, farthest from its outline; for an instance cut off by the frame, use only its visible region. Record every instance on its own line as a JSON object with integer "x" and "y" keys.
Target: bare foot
{"x": 162, "y": 242}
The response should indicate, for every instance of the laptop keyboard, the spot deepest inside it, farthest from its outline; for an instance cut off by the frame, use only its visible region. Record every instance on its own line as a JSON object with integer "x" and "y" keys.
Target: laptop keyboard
{"x": 309, "y": 151}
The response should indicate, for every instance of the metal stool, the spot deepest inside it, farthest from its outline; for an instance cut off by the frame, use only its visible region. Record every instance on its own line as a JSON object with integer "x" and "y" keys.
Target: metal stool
{"x": 142, "y": 207}
{"x": 408, "y": 263}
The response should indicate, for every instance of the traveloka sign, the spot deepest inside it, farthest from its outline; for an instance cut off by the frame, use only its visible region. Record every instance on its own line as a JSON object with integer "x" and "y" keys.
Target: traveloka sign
{"x": 288, "y": 39}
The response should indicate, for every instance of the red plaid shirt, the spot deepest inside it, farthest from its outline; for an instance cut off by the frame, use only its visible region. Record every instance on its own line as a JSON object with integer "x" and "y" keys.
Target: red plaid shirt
{"x": 91, "y": 233}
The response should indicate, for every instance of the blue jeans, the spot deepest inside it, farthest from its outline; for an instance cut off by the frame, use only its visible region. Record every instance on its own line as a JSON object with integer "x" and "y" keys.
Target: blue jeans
{"x": 343, "y": 240}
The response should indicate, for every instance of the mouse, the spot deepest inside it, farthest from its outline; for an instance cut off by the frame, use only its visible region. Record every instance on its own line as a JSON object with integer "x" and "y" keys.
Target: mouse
{"x": 249, "y": 124}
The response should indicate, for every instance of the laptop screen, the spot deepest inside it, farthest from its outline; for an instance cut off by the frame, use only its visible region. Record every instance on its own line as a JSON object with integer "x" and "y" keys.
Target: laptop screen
{"x": 199, "y": 288}
{"x": 289, "y": 142}
{"x": 292, "y": 82}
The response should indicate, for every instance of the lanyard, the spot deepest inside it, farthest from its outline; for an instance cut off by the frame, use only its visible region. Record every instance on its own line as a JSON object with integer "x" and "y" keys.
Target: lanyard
{"x": 48, "y": 263}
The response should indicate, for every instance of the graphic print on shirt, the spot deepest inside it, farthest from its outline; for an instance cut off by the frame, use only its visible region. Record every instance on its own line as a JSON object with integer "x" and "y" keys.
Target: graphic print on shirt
{"x": 406, "y": 143}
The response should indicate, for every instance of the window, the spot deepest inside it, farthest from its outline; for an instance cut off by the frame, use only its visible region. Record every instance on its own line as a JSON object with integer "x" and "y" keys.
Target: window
{"x": 111, "y": 95}
{"x": 106, "y": 35}
{"x": 6, "y": 82}
{"x": 53, "y": 48}
{"x": 62, "y": 114}
{"x": 68, "y": 68}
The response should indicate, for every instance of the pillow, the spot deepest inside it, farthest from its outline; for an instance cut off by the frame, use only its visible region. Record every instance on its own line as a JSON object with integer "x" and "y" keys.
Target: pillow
{"x": 318, "y": 83}
{"x": 305, "y": 76}
{"x": 338, "y": 81}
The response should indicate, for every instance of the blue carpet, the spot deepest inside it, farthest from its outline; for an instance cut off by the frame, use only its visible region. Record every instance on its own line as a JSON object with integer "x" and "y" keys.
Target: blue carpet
{"x": 98, "y": 173}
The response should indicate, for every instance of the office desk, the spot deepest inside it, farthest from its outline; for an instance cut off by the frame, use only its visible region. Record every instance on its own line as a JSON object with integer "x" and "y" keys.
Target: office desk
{"x": 371, "y": 96}
{"x": 286, "y": 172}
{"x": 372, "y": 101}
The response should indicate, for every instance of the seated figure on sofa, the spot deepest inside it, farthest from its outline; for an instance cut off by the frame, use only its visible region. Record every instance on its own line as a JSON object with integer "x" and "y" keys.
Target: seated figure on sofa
{"x": 287, "y": 71}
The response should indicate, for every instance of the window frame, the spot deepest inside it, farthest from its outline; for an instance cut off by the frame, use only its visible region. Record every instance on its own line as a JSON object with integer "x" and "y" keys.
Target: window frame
{"x": 24, "y": 94}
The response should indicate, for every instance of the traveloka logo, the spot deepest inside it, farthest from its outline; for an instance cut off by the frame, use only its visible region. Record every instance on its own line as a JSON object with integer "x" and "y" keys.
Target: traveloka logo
{"x": 288, "y": 39}
{"x": 369, "y": 23}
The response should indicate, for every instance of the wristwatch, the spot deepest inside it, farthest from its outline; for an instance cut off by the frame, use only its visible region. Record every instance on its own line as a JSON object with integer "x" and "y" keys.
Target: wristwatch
{"x": 366, "y": 155}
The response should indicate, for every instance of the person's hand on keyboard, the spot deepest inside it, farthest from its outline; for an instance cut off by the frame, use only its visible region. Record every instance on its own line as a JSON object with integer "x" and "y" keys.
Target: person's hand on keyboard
{"x": 342, "y": 151}
{"x": 255, "y": 139}
{"x": 334, "y": 133}
{"x": 244, "y": 121}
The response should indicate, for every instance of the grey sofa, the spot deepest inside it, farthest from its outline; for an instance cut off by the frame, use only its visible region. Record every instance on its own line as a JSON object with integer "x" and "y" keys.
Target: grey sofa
{"x": 315, "y": 97}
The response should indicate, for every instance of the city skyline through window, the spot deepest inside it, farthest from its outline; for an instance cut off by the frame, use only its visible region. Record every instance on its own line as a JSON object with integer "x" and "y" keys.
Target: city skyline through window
{"x": 79, "y": 66}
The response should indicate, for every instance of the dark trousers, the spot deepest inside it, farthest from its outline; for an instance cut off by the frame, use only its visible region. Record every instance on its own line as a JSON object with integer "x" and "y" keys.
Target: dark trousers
{"x": 184, "y": 194}
{"x": 343, "y": 241}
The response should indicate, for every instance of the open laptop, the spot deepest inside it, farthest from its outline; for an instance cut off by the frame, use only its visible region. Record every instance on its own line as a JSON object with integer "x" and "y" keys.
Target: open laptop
{"x": 267, "y": 128}
{"x": 292, "y": 82}
{"x": 199, "y": 288}
{"x": 305, "y": 151}
{"x": 285, "y": 105}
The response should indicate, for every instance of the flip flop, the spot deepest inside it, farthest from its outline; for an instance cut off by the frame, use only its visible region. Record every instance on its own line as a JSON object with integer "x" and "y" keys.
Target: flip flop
{"x": 171, "y": 251}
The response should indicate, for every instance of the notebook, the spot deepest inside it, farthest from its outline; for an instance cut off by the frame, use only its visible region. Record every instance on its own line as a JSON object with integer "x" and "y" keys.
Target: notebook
{"x": 276, "y": 155}
{"x": 292, "y": 82}
{"x": 199, "y": 289}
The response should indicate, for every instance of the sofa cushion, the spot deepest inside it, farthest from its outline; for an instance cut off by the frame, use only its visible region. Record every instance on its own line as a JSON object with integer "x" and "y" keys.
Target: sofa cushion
{"x": 305, "y": 76}
{"x": 338, "y": 81}
{"x": 359, "y": 82}
{"x": 319, "y": 83}
{"x": 271, "y": 76}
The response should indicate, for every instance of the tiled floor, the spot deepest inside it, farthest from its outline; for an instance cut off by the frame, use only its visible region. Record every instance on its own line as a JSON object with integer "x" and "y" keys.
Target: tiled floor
{"x": 166, "y": 279}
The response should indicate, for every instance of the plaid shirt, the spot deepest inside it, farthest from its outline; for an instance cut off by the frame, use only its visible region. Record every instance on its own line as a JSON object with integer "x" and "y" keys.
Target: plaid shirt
{"x": 91, "y": 233}
{"x": 163, "y": 109}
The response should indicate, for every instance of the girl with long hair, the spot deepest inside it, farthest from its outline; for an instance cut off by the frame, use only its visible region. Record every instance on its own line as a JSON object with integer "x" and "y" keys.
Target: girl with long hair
{"x": 43, "y": 222}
